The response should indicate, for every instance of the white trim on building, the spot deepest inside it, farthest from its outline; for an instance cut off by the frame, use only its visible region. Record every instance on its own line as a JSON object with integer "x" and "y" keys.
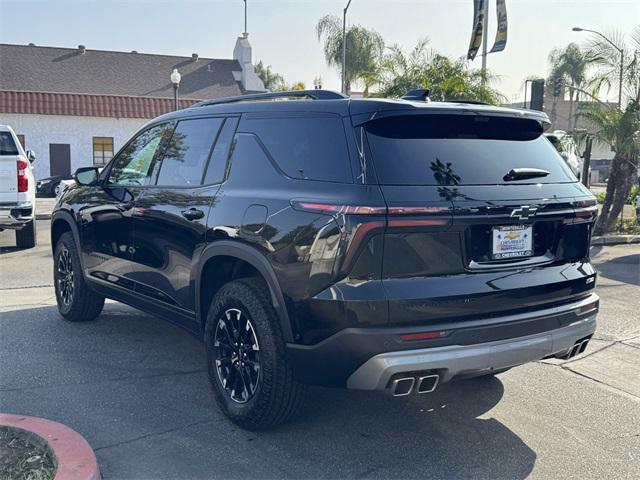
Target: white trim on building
{"x": 42, "y": 130}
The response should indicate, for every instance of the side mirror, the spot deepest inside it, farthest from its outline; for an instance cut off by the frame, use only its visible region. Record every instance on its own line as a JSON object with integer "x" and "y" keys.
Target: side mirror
{"x": 86, "y": 176}
{"x": 31, "y": 156}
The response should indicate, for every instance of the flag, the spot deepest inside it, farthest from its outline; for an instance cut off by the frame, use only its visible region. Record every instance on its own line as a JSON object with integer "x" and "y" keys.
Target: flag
{"x": 476, "y": 32}
{"x": 501, "y": 33}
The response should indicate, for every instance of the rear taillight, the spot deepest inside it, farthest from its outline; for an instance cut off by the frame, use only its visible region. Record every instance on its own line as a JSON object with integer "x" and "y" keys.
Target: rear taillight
{"x": 23, "y": 180}
{"x": 332, "y": 209}
{"x": 335, "y": 209}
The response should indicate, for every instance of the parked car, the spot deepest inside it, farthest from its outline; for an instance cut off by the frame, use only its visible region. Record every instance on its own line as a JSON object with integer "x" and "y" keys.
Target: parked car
{"x": 17, "y": 189}
{"x": 568, "y": 150}
{"x": 372, "y": 244}
{"x": 50, "y": 186}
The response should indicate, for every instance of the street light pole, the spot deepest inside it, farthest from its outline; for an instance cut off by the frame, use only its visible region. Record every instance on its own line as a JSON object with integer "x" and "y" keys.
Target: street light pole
{"x": 175, "y": 80}
{"x": 620, "y": 51}
{"x": 485, "y": 35}
{"x": 344, "y": 48}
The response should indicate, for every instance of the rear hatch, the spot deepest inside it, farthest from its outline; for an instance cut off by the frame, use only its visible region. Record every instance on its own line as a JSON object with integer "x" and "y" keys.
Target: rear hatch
{"x": 484, "y": 218}
{"x": 9, "y": 156}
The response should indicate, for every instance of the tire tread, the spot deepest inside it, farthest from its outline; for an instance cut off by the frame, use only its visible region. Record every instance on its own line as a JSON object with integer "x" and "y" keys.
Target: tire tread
{"x": 87, "y": 304}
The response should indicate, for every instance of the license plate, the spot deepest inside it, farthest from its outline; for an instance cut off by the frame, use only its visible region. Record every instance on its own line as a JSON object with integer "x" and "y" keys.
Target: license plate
{"x": 512, "y": 241}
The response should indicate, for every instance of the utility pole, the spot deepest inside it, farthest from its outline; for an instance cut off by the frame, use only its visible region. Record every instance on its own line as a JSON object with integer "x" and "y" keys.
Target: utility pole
{"x": 586, "y": 162}
{"x": 485, "y": 35}
{"x": 344, "y": 48}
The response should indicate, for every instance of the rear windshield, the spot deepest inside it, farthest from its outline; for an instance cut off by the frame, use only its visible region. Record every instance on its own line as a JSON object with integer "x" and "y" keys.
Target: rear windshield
{"x": 7, "y": 145}
{"x": 461, "y": 150}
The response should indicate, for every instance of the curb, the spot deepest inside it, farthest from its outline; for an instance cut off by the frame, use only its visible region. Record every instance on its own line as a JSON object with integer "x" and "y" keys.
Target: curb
{"x": 615, "y": 240}
{"x": 74, "y": 457}
{"x": 43, "y": 216}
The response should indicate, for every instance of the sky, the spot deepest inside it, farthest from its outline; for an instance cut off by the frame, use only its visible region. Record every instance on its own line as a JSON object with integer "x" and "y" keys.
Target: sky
{"x": 282, "y": 32}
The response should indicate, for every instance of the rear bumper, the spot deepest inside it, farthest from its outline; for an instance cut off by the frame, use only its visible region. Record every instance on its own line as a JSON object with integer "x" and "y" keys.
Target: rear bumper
{"x": 449, "y": 362}
{"x": 15, "y": 216}
{"x": 365, "y": 358}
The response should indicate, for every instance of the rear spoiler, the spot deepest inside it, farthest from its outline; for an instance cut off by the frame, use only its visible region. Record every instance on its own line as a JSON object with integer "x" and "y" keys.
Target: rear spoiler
{"x": 472, "y": 109}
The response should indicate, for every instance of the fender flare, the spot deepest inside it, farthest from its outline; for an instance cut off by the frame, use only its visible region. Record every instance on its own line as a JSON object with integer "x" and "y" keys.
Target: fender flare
{"x": 256, "y": 259}
{"x": 67, "y": 217}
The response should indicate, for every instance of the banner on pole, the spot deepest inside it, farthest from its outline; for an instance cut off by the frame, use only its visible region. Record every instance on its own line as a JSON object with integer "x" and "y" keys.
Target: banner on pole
{"x": 501, "y": 33}
{"x": 476, "y": 32}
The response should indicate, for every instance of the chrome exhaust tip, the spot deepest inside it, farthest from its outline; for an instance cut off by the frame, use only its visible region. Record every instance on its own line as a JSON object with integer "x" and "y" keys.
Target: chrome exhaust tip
{"x": 583, "y": 346}
{"x": 428, "y": 383}
{"x": 402, "y": 386}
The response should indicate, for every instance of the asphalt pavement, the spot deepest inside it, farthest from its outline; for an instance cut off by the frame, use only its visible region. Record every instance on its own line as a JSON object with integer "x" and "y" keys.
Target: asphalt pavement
{"x": 136, "y": 388}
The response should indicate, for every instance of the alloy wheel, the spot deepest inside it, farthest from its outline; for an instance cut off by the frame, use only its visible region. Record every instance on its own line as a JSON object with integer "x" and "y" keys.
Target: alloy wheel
{"x": 237, "y": 355}
{"x": 65, "y": 276}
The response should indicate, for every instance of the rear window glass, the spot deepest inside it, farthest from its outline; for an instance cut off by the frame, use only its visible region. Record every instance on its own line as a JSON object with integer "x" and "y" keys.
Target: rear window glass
{"x": 7, "y": 145}
{"x": 309, "y": 148}
{"x": 461, "y": 150}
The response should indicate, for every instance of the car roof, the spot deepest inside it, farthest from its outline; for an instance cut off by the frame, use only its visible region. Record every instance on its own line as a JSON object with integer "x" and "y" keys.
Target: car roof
{"x": 362, "y": 108}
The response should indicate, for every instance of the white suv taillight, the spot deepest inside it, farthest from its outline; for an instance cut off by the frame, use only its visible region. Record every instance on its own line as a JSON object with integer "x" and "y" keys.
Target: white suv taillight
{"x": 23, "y": 180}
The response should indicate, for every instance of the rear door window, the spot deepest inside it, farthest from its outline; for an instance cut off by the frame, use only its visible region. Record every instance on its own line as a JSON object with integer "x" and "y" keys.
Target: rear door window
{"x": 187, "y": 153}
{"x": 7, "y": 144}
{"x": 304, "y": 147}
{"x": 460, "y": 150}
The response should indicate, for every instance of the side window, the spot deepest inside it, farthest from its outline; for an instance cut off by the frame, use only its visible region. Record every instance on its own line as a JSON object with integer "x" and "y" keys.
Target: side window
{"x": 132, "y": 165}
{"x": 187, "y": 153}
{"x": 218, "y": 163}
{"x": 309, "y": 148}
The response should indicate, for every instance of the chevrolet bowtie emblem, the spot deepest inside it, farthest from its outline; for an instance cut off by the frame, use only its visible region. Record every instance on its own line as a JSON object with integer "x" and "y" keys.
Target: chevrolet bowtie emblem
{"x": 524, "y": 213}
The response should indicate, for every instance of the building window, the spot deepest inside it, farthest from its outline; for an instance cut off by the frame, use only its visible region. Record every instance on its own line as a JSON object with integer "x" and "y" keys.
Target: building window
{"x": 21, "y": 140}
{"x": 102, "y": 150}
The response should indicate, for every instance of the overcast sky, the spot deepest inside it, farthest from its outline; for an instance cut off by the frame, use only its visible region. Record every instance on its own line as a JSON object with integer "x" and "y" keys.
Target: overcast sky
{"x": 283, "y": 32}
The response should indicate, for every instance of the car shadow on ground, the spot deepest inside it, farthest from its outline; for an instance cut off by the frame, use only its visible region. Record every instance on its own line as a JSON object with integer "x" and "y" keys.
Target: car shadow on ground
{"x": 624, "y": 269}
{"x": 136, "y": 388}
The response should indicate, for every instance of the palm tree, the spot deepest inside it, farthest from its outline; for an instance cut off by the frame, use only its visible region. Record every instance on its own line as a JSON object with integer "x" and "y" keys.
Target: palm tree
{"x": 607, "y": 58}
{"x": 571, "y": 64}
{"x": 364, "y": 49}
{"x": 621, "y": 131}
{"x": 618, "y": 128}
{"x": 272, "y": 81}
{"x": 445, "y": 79}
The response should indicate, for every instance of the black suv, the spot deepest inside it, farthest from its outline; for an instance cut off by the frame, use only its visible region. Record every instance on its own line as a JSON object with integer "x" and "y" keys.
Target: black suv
{"x": 309, "y": 238}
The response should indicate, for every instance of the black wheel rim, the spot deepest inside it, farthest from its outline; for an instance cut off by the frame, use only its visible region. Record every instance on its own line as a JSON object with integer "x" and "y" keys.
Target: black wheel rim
{"x": 237, "y": 355}
{"x": 65, "y": 276}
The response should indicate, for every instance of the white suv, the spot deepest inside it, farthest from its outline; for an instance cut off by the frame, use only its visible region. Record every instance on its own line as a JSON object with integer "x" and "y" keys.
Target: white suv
{"x": 17, "y": 189}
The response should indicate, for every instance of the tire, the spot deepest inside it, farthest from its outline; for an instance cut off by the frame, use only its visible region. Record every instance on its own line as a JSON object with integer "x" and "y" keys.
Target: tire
{"x": 56, "y": 189}
{"x": 269, "y": 397}
{"x": 27, "y": 237}
{"x": 76, "y": 301}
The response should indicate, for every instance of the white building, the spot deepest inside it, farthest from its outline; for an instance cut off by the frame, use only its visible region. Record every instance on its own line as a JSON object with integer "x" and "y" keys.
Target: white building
{"x": 75, "y": 106}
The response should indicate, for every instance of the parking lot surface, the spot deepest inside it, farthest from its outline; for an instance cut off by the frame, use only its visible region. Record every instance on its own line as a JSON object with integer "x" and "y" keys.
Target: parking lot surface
{"x": 136, "y": 388}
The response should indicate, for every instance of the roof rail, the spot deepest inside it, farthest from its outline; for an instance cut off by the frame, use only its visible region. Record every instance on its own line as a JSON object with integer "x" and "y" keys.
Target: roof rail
{"x": 256, "y": 97}
{"x": 470, "y": 102}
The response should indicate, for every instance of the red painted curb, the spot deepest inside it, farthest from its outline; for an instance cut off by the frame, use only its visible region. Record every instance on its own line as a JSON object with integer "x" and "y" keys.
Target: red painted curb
{"x": 75, "y": 458}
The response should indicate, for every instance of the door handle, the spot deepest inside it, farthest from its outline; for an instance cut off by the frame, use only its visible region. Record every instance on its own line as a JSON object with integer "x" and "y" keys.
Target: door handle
{"x": 193, "y": 214}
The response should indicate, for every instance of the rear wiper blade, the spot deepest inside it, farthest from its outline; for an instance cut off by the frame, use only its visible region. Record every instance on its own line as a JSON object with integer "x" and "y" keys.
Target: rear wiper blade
{"x": 524, "y": 173}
